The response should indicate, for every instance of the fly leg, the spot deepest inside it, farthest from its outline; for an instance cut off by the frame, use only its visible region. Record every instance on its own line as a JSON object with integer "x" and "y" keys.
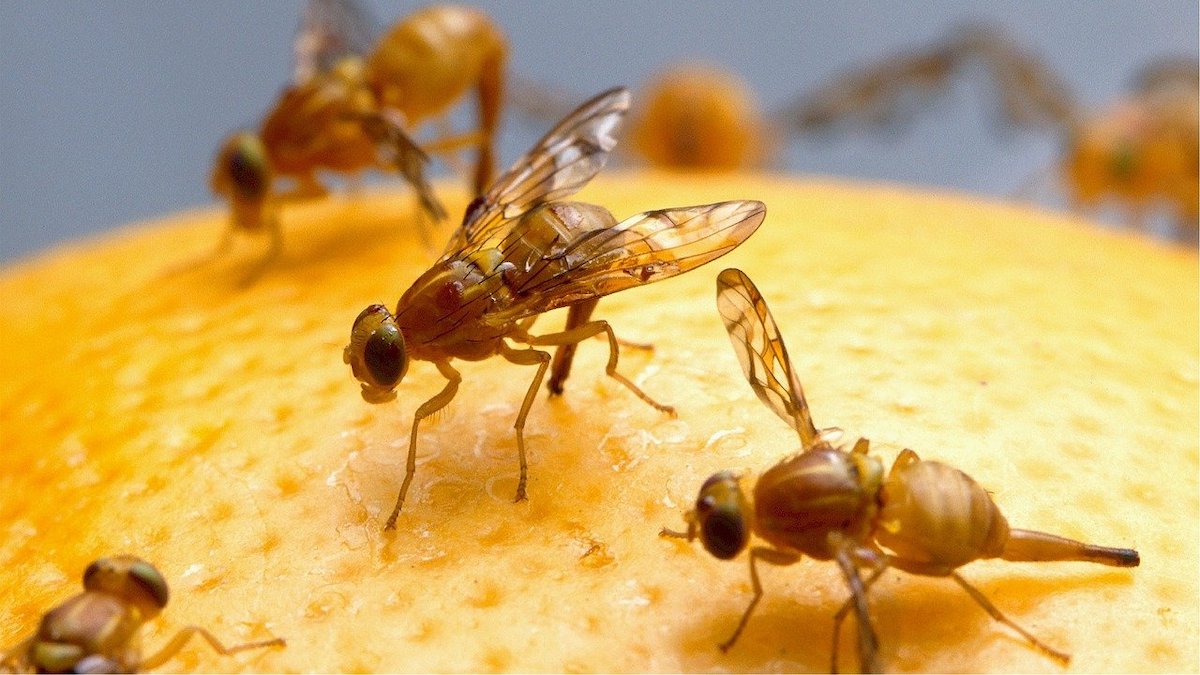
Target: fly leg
{"x": 451, "y": 142}
{"x": 845, "y": 609}
{"x": 274, "y": 248}
{"x": 491, "y": 101}
{"x": 988, "y": 607}
{"x": 586, "y": 331}
{"x": 577, "y": 315}
{"x": 525, "y": 357}
{"x": 845, "y": 552}
{"x": 768, "y": 555}
{"x": 439, "y": 401}
{"x": 222, "y": 248}
{"x": 181, "y": 638}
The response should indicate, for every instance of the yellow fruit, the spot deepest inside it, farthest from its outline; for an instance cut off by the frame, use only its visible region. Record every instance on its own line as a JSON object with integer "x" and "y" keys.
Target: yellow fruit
{"x": 215, "y": 431}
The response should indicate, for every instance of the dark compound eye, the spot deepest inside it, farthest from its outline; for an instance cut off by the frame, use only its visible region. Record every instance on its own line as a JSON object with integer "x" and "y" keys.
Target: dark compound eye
{"x": 723, "y": 533}
{"x": 247, "y": 165}
{"x": 384, "y": 356}
{"x": 150, "y": 580}
{"x": 720, "y": 510}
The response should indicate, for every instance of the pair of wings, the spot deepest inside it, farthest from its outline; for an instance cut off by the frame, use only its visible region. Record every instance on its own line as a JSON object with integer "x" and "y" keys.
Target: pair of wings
{"x": 889, "y": 92}
{"x": 761, "y": 351}
{"x": 588, "y": 260}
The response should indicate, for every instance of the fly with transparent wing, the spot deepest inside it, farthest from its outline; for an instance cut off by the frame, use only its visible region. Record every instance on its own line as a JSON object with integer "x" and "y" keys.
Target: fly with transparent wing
{"x": 761, "y": 351}
{"x": 358, "y": 97}
{"x": 520, "y": 252}
{"x": 833, "y": 503}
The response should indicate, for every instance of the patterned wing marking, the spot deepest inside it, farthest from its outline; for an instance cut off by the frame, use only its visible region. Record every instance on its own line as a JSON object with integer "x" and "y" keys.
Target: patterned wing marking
{"x": 557, "y": 166}
{"x": 761, "y": 351}
{"x": 639, "y": 250}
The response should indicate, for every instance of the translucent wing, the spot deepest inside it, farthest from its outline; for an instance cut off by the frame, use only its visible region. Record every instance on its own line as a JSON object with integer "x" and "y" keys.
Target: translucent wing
{"x": 397, "y": 148}
{"x": 538, "y": 102}
{"x": 331, "y": 30}
{"x": 760, "y": 349}
{"x": 882, "y": 95}
{"x": 583, "y": 264}
{"x": 893, "y": 90}
{"x": 555, "y": 168}
{"x": 1031, "y": 95}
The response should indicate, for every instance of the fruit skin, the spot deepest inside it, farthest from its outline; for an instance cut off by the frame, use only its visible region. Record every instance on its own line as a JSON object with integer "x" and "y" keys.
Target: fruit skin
{"x": 216, "y": 432}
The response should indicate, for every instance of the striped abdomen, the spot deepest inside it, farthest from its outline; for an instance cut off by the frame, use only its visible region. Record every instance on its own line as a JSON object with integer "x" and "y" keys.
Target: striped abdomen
{"x": 935, "y": 518}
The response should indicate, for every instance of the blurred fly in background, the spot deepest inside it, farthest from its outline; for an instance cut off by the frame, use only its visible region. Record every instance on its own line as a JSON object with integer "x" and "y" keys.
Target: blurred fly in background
{"x": 1140, "y": 153}
{"x": 351, "y": 103}
{"x": 111, "y": 111}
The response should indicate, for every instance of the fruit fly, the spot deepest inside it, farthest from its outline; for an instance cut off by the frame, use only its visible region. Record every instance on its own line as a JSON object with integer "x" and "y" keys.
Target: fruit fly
{"x": 830, "y": 503}
{"x": 97, "y": 630}
{"x": 1140, "y": 151}
{"x": 352, "y": 105}
{"x": 520, "y": 252}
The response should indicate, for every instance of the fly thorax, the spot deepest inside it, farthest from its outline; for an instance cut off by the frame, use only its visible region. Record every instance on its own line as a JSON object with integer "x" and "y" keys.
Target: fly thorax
{"x": 440, "y": 313}
{"x": 435, "y": 298}
{"x": 556, "y": 234}
{"x": 799, "y": 501}
{"x": 91, "y": 620}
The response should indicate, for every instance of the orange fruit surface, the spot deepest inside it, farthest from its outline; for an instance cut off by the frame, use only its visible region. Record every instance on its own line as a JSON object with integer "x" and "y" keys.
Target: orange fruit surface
{"x": 215, "y": 431}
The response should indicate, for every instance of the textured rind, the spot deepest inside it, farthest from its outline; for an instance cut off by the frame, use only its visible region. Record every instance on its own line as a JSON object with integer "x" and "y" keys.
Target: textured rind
{"x": 216, "y": 432}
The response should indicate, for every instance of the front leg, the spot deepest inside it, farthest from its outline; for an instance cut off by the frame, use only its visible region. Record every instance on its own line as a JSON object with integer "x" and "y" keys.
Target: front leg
{"x": 186, "y": 634}
{"x": 768, "y": 555}
{"x": 439, "y": 401}
{"x": 274, "y": 248}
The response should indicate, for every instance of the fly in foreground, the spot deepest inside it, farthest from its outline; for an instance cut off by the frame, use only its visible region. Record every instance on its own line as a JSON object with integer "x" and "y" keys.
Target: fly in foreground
{"x": 830, "y": 503}
{"x": 519, "y": 253}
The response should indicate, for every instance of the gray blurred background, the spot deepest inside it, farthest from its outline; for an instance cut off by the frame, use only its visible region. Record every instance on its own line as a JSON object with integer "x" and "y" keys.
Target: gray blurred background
{"x": 110, "y": 111}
